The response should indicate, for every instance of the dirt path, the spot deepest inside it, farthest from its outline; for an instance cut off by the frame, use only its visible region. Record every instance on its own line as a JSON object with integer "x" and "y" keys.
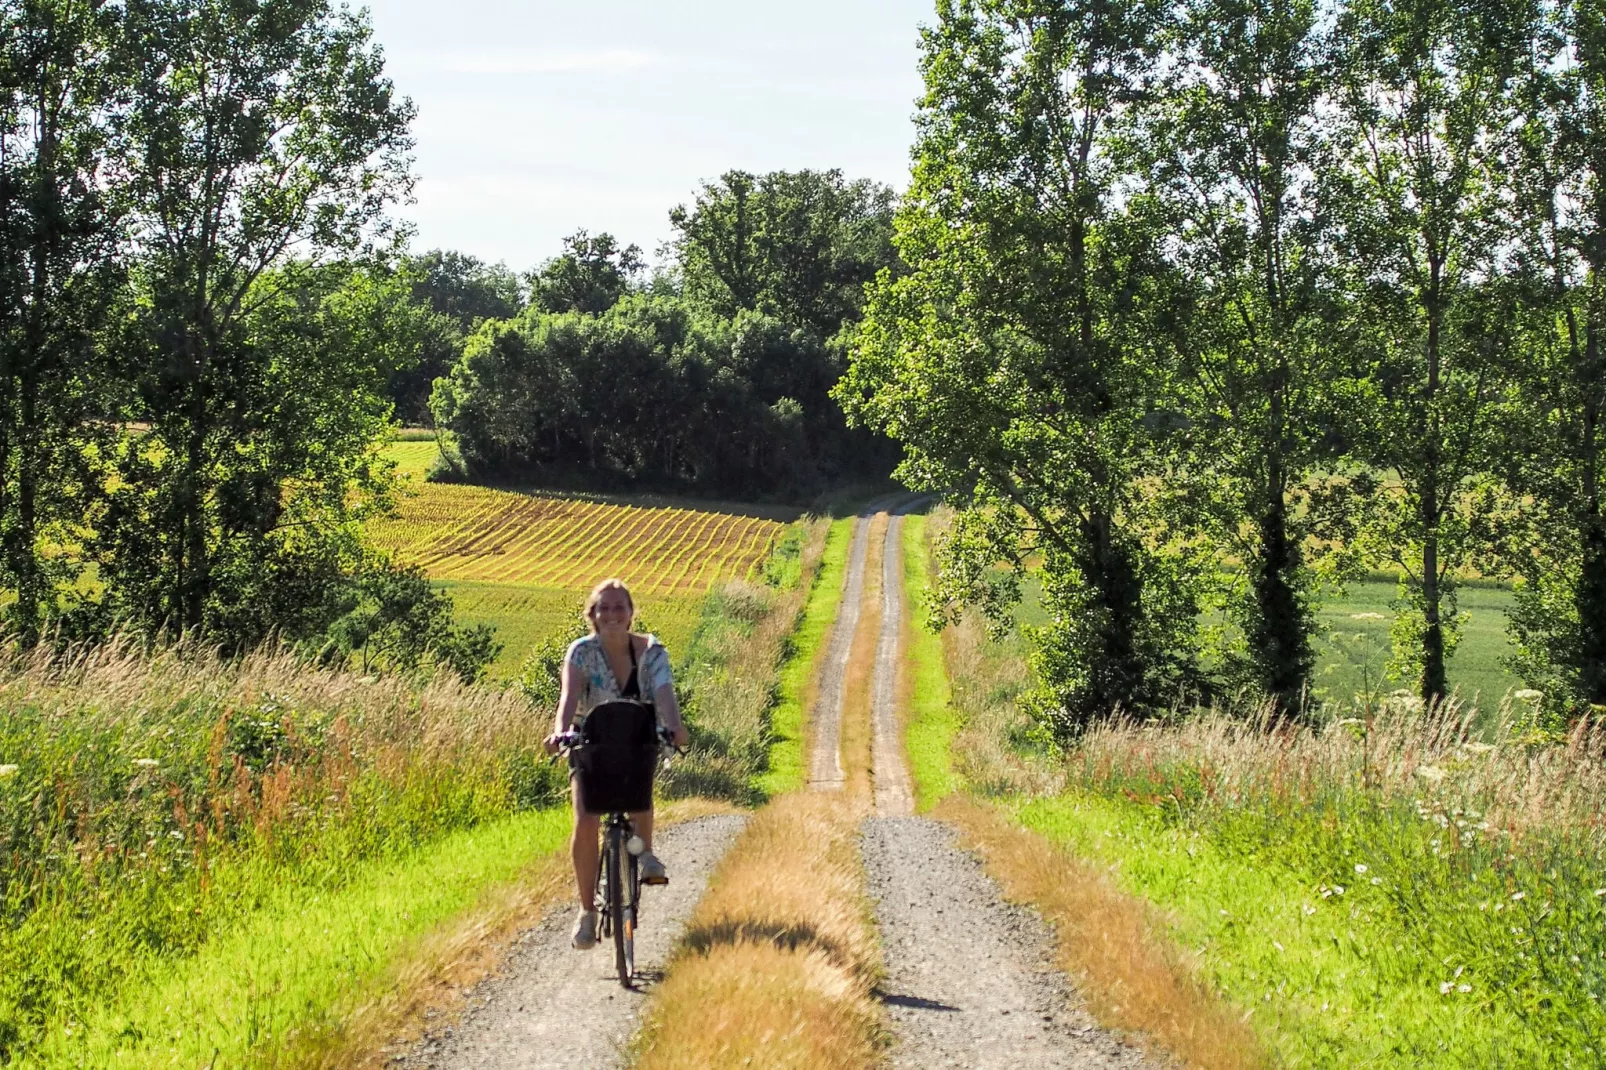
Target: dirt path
{"x": 825, "y": 763}
{"x": 969, "y": 979}
{"x": 555, "y": 1007}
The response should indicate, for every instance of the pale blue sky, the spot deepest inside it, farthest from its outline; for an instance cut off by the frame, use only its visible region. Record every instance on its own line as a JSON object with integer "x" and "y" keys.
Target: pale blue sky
{"x": 538, "y": 118}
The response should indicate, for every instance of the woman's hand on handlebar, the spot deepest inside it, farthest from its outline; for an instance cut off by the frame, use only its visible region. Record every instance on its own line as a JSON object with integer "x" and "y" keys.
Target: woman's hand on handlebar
{"x": 676, "y": 737}
{"x": 558, "y": 740}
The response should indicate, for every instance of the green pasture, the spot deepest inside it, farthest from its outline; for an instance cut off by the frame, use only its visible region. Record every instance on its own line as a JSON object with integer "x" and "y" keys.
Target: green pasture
{"x": 525, "y": 615}
{"x": 1352, "y": 642}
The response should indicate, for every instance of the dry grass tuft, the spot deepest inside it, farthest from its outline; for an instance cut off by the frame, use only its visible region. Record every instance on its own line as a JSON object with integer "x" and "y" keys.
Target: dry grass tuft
{"x": 1131, "y": 976}
{"x": 780, "y": 959}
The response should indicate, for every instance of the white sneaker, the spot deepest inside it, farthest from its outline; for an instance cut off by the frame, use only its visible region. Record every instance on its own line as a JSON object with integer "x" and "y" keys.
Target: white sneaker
{"x": 585, "y": 930}
{"x": 652, "y": 870}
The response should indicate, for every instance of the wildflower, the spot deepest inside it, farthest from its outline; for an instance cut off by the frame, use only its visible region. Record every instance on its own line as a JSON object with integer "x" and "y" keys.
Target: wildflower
{"x": 1518, "y": 895}
{"x": 1446, "y": 987}
{"x": 1598, "y": 891}
{"x": 1338, "y": 889}
{"x": 146, "y": 763}
{"x": 8, "y": 771}
{"x": 1463, "y": 988}
{"x": 1377, "y": 880}
{"x": 1308, "y": 909}
{"x": 1360, "y": 867}
{"x": 1528, "y": 694}
{"x": 1278, "y": 946}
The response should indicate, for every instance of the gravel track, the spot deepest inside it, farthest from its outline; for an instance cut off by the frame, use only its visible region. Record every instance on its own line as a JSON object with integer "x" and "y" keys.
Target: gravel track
{"x": 969, "y": 981}
{"x": 554, "y": 1007}
{"x": 825, "y": 763}
{"x": 893, "y": 795}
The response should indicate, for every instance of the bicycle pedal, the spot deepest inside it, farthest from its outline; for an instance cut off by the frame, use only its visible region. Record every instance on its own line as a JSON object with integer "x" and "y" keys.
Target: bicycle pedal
{"x": 655, "y": 881}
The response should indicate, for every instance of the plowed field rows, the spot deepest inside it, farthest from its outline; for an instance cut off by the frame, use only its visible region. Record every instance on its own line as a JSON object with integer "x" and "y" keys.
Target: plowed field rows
{"x": 523, "y": 562}
{"x": 493, "y": 536}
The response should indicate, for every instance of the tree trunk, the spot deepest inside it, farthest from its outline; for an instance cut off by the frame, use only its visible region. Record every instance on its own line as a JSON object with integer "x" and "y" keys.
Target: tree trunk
{"x": 1117, "y": 680}
{"x": 1434, "y": 682}
{"x": 1590, "y": 596}
{"x": 1280, "y": 638}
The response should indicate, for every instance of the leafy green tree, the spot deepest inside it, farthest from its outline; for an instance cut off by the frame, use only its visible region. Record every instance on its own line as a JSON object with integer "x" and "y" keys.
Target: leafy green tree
{"x": 591, "y": 274}
{"x": 797, "y": 245}
{"x": 1424, "y": 114}
{"x": 61, "y": 246}
{"x": 1234, "y": 143}
{"x": 462, "y": 292}
{"x": 293, "y": 463}
{"x": 393, "y": 618}
{"x": 257, "y": 131}
{"x": 1554, "y": 457}
{"x": 1015, "y": 361}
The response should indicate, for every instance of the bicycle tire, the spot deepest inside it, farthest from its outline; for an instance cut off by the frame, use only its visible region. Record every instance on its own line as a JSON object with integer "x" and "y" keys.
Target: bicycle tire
{"x": 623, "y": 924}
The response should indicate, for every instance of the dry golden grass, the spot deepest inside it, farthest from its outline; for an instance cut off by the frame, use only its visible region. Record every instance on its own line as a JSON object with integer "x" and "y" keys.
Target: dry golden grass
{"x": 780, "y": 959}
{"x": 1130, "y": 973}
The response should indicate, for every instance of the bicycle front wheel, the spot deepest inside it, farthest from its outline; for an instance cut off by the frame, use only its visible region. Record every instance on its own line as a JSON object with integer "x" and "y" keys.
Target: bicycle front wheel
{"x": 621, "y": 904}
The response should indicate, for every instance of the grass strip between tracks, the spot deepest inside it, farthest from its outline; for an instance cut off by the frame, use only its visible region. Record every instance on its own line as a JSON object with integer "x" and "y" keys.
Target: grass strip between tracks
{"x": 796, "y": 683}
{"x": 931, "y": 719}
{"x": 779, "y": 961}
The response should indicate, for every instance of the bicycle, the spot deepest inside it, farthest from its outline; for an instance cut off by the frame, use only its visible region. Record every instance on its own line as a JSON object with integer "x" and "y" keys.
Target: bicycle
{"x": 618, "y": 895}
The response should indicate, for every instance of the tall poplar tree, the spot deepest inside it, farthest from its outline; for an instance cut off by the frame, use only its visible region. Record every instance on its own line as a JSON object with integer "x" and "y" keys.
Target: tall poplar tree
{"x": 60, "y": 269}
{"x": 1556, "y": 459}
{"x": 1013, "y": 362}
{"x": 1425, "y": 108}
{"x": 1234, "y": 144}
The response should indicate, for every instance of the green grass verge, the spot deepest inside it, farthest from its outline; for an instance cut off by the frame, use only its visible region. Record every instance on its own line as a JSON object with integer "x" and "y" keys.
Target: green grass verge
{"x": 932, "y": 719}
{"x": 292, "y": 969}
{"x": 1347, "y": 942}
{"x": 785, "y": 766}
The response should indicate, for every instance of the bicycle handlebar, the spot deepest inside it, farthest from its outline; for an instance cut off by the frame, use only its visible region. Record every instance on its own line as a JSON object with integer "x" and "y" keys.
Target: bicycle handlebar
{"x": 571, "y": 739}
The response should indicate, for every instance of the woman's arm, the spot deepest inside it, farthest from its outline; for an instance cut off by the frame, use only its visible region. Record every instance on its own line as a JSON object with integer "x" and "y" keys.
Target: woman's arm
{"x": 668, "y": 707}
{"x": 568, "y": 701}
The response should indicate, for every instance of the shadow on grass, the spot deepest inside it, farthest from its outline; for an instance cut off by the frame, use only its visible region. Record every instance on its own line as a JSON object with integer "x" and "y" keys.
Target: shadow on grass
{"x": 703, "y": 939}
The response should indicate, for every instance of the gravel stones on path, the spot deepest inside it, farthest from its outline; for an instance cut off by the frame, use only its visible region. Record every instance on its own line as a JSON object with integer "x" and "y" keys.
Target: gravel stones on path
{"x": 554, "y": 1007}
{"x": 969, "y": 982}
{"x": 825, "y": 762}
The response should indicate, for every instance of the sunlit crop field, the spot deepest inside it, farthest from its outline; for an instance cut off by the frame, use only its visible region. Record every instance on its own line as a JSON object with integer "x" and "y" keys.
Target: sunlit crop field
{"x": 523, "y": 561}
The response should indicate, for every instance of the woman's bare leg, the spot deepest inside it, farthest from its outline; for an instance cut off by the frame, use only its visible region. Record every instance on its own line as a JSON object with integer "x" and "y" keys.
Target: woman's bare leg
{"x": 586, "y": 852}
{"x": 642, "y": 820}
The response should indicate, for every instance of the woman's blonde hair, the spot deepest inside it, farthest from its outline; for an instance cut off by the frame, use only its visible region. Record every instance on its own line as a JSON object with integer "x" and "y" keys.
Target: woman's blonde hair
{"x": 596, "y": 596}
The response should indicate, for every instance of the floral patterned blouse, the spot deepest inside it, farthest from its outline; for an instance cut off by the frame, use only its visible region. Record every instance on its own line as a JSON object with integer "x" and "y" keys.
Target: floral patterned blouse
{"x": 597, "y": 682}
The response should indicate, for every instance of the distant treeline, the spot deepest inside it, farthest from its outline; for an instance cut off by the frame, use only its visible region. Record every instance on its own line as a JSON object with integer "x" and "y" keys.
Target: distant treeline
{"x": 712, "y": 374}
{"x": 209, "y": 326}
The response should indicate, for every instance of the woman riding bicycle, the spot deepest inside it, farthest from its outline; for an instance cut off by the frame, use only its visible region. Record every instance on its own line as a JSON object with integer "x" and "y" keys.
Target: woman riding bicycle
{"x": 611, "y": 664}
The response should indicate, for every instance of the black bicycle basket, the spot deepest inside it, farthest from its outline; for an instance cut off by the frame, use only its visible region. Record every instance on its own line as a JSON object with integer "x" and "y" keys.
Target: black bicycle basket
{"x": 616, "y": 758}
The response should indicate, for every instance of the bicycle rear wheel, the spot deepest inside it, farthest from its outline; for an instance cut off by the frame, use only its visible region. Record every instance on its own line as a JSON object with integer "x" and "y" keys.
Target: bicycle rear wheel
{"x": 622, "y": 906}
